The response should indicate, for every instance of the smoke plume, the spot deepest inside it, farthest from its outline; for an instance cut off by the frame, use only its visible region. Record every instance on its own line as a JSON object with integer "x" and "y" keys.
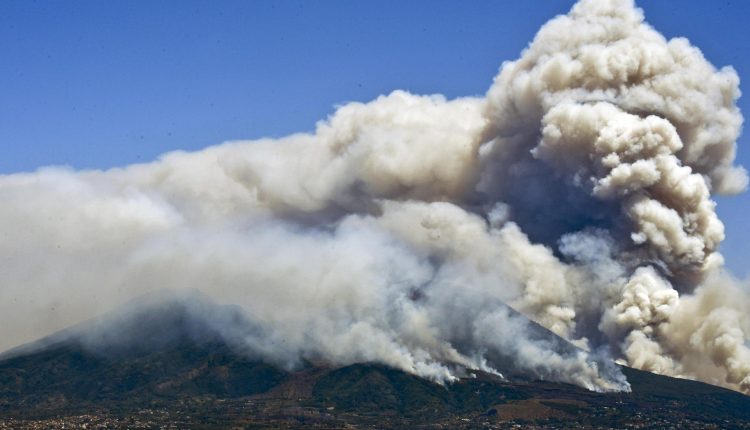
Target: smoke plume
{"x": 577, "y": 192}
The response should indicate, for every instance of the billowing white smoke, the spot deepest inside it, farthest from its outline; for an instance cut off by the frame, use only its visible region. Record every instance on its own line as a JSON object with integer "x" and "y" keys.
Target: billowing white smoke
{"x": 577, "y": 192}
{"x": 606, "y": 137}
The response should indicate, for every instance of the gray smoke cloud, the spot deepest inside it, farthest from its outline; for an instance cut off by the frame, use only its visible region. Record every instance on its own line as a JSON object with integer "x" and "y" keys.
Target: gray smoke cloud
{"x": 577, "y": 192}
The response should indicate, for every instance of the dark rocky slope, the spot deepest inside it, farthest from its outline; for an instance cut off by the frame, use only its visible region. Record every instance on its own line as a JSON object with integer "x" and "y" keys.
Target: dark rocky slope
{"x": 170, "y": 363}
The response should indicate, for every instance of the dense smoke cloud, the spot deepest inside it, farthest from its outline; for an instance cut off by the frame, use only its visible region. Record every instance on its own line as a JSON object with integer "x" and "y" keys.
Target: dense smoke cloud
{"x": 577, "y": 192}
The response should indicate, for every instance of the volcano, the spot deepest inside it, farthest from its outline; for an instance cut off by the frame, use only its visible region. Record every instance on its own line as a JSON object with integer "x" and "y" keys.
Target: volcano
{"x": 167, "y": 358}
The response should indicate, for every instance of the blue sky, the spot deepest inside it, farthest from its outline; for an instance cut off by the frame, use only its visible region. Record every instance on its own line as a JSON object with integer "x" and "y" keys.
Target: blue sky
{"x": 95, "y": 84}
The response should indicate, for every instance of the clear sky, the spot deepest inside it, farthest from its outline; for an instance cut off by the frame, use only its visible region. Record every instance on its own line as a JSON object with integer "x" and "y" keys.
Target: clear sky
{"x": 95, "y": 84}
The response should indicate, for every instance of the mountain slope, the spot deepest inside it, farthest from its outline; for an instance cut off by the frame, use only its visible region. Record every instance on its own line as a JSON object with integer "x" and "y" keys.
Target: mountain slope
{"x": 170, "y": 364}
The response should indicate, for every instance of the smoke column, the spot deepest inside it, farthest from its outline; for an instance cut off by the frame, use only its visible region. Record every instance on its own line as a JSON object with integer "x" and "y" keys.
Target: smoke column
{"x": 577, "y": 192}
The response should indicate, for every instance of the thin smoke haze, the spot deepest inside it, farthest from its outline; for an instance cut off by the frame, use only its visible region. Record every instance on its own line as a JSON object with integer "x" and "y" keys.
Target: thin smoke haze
{"x": 577, "y": 191}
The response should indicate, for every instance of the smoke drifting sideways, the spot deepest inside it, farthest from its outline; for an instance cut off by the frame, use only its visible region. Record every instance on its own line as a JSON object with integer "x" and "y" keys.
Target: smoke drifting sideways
{"x": 577, "y": 191}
